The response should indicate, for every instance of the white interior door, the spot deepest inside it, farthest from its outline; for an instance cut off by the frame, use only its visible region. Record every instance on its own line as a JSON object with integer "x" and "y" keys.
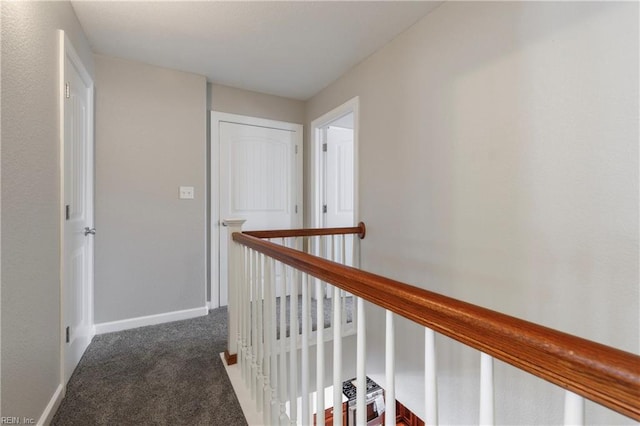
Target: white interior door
{"x": 77, "y": 196}
{"x": 339, "y": 178}
{"x": 260, "y": 180}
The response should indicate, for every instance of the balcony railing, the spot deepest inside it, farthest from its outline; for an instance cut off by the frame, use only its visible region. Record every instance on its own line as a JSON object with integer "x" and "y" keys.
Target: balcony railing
{"x": 272, "y": 270}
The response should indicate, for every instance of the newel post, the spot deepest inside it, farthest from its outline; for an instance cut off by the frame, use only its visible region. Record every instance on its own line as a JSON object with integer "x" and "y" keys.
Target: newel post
{"x": 234, "y": 274}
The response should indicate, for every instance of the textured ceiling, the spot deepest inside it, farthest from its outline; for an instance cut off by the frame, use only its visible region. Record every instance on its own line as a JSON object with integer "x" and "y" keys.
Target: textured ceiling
{"x": 290, "y": 49}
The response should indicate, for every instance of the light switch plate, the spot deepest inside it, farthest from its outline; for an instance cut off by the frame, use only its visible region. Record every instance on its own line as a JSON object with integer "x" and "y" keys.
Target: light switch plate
{"x": 186, "y": 192}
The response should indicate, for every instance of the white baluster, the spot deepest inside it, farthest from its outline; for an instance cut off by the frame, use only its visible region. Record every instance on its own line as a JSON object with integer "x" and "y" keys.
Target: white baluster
{"x": 241, "y": 307}
{"x": 343, "y": 294}
{"x": 268, "y": 327}
{"x": 306, "y": 414}
{"x": 254, "y": 326}
{"x": 293, "y": 345}
{"x": 283, "y": 342}
{"x": 430, "y": 380}
{"x": 246, "y": 359}
{"x": 274, "y": 357}
{"x": 390, "y": 371}
{"x": 260, "y": 334}
{"x": 361, "y": 372}
{"x": 319, "y": 354}
{"x": 573, "y": 409}
{"x": 233, "y": 277}
{"x": 246, "y": 341}
{"x": 486, "y": 390}
{"x": 337, "y": 357}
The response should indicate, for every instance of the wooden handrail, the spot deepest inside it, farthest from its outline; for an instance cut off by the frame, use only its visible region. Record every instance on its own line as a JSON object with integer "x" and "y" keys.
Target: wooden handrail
{"x": 603, "y": 374}
{"x": 360, "y": 230}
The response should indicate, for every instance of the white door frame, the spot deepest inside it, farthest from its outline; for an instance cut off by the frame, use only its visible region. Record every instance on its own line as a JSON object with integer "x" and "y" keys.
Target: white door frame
{"x": 66, "y": 50}
{"x": 216, "y": 220}
{"x": 316, "y": 184}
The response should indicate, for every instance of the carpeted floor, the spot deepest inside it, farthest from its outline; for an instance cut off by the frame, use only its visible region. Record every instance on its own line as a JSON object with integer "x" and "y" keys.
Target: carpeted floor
{"x": 168, "y": 374}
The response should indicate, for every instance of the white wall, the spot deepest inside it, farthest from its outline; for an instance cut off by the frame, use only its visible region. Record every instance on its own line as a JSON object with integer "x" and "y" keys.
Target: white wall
{"x": 506, "y": 136}
{"x": 150, "y": 139}
{"x": 30, "y": 201}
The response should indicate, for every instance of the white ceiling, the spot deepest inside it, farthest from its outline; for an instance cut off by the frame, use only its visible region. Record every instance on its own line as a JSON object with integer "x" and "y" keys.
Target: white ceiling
{"x": 291, "y": 48}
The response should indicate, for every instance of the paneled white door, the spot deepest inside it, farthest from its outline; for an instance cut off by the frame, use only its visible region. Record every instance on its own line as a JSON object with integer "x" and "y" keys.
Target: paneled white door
{"x": 339, "y": 178}
{"x": 77, "y": 196}
{"x": 260, "y": 180}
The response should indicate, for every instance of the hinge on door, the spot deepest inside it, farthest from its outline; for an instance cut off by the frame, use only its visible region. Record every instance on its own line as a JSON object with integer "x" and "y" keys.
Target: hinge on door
{"x": 67, "y": 90}
{"x": 296, "y": 149}
{"x": 324, "y": 208}
{"x": 67, "y": 212}
{"x": 324, "y": 147}
{"x": 296, "y": 209}
{"x": 67, "y": 331}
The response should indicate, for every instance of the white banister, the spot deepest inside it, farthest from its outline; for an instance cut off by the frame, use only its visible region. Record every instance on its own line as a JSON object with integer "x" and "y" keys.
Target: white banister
{"x": 390, "y": 371}
{"x": 254, "y": 325}
{"x": 246, "y": 303}
{"x": 319, "y": 354}
{"x": 430, "y": 378}
{"x": 233, "y": 278}
{"x": 268, "y": 336}
{"x": 306, "y": 315}
{"x": 273, "y": 376}
{"x": 260, "y": 297}
{"x": 241, "y": 314}
{"x": 573, "y": 409}
{"x": 337, "y": 357}
{"x": 282, "y": 383}
{"x": 361, "y": 359}
{"x": 293, "y": 345}
{"x": 486, "y": 390}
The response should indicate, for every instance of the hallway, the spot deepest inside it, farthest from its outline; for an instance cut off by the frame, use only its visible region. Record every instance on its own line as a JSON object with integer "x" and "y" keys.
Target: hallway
{"x": 168, "y": 374}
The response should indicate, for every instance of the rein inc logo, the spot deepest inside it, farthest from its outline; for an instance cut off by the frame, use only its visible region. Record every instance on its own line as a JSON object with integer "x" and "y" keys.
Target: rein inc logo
{"x": 17, "y": 421}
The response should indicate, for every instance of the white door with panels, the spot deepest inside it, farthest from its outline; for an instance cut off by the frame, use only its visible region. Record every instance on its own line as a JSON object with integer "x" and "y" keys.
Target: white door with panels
{"x": 77, "y": 208}
{"x": 259, "y": 180}
{"x": 339, "y": 178}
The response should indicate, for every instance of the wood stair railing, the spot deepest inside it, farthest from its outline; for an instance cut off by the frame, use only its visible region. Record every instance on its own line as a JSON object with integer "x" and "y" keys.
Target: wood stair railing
{"x": 605, "y": 375}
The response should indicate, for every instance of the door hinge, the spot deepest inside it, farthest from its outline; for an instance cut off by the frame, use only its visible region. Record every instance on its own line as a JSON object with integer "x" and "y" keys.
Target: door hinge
{"x": 67, "y": 212}
{"x": 67, "y": 90}
{"x": 296, "y": 209}
{"x": 324, "y": 208}
{"x": 67, "y": 332}
{"x": 324, "y": 147}
{"x": 296, "y": 149}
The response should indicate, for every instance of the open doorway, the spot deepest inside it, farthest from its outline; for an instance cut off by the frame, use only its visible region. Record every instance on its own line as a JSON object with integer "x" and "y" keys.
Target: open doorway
{"x": 334, "y": 164}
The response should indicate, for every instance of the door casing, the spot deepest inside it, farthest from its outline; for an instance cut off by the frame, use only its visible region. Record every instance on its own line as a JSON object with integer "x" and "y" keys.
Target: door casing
{"x": 316, "y": 183}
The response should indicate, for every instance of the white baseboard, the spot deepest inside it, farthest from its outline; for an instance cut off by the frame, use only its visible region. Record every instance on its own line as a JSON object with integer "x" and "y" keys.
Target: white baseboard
{"x": 52, "y": 406}
{"x": 126, "y": 324}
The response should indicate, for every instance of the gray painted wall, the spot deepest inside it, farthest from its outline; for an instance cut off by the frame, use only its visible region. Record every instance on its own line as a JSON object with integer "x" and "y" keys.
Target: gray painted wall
{"x": 150, "y": 139}
{"x": 254, "y": 104}
{"x": 505, "y": 136}
{"x": 30, "y": 201}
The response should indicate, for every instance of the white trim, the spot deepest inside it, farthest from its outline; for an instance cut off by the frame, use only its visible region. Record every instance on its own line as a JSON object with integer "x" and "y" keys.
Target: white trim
{"x": 126, "y": 324}
{"x": 216, "y": 118}
{"x": 52, "y": 406}
{"x": 352, "y": 105}
{"x": 248, "y": 406}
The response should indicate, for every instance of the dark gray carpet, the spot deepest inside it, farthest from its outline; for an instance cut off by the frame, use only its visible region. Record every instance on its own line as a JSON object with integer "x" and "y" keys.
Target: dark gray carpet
{"x": 168, "y": 374}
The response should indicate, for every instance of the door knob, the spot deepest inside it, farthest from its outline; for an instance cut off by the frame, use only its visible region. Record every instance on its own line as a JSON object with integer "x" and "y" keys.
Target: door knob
{"x": 88, "y": 231}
